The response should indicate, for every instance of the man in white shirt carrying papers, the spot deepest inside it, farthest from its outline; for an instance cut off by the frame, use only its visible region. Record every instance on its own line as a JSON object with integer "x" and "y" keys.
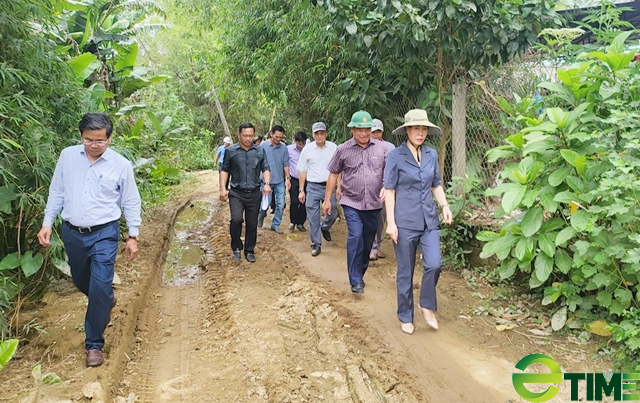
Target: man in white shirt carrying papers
{"x": 313, "y": 171}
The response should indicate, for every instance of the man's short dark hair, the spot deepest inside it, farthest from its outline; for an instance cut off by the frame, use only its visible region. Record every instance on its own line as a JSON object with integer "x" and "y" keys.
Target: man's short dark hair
{"x": 300, "y": 136}
{"x": 246, "y": 125}
{"x": 277, "y": 128}
{"x": 96, "y": 121}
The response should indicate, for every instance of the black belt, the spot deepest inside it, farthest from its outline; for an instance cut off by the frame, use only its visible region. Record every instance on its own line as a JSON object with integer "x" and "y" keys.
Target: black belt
{"x": 246, "y": 190}
{"x": 320, "y": 183}
{"x": 85, "y": 230}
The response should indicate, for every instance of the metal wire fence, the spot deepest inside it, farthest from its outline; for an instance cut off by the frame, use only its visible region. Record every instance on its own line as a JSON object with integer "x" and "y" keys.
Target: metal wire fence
{"x": 482, "y": 122}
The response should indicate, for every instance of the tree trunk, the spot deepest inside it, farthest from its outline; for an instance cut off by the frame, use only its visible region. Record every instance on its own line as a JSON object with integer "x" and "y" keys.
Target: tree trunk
{"x": 443, "y": 87}
{"x": 220, "y": 111}
{"x": 458, "y": 130}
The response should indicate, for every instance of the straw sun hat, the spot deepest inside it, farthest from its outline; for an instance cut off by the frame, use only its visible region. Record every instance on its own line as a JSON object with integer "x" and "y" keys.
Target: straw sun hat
{"x": 416, "y": 117}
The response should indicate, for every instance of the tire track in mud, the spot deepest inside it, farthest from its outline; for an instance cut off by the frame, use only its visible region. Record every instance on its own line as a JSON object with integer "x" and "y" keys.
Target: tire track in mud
{"x": 255, "y": 332}
{"x": 160, "y": 367}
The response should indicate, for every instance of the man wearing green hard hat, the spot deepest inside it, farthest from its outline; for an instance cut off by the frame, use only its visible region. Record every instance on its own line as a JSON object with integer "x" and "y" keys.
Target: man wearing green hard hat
{"x": 361, "y": 161}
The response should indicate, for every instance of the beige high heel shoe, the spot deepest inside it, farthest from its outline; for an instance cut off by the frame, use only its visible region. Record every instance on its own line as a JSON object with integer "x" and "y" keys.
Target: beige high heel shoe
{"x": 430, "y": 317}
{"x": 407, "y": 327}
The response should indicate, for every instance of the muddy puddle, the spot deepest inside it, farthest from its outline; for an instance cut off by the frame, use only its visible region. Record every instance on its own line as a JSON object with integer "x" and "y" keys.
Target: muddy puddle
{"x": 189, "y": 250}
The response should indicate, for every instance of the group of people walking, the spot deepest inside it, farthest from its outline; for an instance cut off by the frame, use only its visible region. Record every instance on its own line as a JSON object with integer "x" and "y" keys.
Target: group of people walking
{"x": 372, "y": 180}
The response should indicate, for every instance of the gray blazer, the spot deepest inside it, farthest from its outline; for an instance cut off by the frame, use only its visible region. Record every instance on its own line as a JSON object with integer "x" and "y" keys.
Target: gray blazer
{"x": 415, "y": 208}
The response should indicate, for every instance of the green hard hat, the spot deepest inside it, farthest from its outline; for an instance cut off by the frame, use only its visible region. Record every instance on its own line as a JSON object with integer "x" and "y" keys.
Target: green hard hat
{"x": 361, "y": 119}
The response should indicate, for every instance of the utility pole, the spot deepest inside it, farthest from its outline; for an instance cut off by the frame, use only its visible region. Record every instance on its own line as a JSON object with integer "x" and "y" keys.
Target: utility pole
{"x": 220, "y": 111}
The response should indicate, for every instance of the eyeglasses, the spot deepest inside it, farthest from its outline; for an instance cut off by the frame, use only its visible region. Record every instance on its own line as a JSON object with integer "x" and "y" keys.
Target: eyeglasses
{"x": 99, "y": 143}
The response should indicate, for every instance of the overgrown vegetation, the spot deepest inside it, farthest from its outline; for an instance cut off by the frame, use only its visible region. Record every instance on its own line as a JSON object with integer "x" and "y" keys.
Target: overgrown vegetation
{"x": 40, "y": 103}
{"x": 464, "y": 196}
{"x": 571, "y": 190}
{"x": 58, "y": 60}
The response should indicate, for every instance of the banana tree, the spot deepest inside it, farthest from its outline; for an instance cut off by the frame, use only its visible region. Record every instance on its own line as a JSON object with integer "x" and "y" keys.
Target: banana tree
{"x": 101, "y": 41}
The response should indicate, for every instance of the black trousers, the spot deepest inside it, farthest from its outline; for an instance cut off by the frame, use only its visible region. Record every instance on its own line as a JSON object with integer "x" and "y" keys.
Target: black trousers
{"x": 297, "y": 210}
{"x": 273, "y": 205}
{"x": 244, "y": 205}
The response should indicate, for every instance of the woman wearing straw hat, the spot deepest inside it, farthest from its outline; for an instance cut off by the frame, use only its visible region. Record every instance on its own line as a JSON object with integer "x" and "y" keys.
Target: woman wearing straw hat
{"x": 412, "y": 182}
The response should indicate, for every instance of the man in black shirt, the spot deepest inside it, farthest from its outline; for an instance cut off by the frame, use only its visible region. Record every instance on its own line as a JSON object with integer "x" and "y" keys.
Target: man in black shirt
{"x": 243, "y": 162}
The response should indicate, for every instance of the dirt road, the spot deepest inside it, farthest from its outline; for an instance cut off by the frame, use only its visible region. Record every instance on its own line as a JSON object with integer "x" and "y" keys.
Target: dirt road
{"x": 194, "y": 326}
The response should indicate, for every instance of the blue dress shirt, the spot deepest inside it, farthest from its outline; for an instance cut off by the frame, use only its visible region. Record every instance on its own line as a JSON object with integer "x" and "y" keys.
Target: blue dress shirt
{"x": 415, "y": 208}
{"x": 278, "y": 158}
{"x": 220, "y": 154}
{"x": 92, "y": 194}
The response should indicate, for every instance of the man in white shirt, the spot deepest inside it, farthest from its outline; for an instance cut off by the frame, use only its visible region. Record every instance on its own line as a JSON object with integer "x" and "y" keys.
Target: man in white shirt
{"x": 91, "y": 184}
{"x": 313, "y": 171}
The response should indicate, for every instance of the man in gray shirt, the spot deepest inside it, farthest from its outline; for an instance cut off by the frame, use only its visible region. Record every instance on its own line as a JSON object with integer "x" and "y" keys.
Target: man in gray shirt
{"x": 278, "y": 159}
{"x": 312, "y": 166}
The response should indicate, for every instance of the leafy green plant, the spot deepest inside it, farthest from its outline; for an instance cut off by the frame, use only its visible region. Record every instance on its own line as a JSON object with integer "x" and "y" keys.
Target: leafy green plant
{"x": 40, "y": 379}
{"x": 463, "y": 194}
{"x": 572, "y": 193}
{"x": 35, "y": 122}
{"x": 104, "y": 49}
{"x": 627, "y": 334}
{"x": 7, "y": 349}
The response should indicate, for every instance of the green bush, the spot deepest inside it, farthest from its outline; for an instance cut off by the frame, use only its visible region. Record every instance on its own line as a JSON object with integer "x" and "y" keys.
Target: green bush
{"x": 573, "y": 191}
{"x": 463, "y": 194}
{"x": 627, "y": 334}
{"x": 40, "y": 104}
{"x": 7, "y": 350}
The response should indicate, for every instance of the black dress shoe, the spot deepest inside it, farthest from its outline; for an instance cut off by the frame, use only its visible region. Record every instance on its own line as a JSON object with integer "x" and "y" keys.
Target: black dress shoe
{"x": 301, "y": 228}
{"x": 236, "y": 254}
{"x": 326, "y": 234}
{"x": 251, "y": 258}
{"x": 316, "y": 251}
{"x": 358, "y": 288}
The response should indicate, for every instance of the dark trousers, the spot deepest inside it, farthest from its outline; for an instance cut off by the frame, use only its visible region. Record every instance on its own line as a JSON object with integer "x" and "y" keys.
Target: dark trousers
{"x": 361, "y": 230}
{"x": 273, "y": 205}
{"x": 297, "y": 210}
{"x": 244, "y": 205}
{"x": 92, "y": 257}
{"x": 408, "y": 242}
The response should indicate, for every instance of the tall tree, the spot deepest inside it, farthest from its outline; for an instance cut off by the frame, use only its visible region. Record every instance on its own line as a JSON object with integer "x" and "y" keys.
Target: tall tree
{"x": 445, "y": 40}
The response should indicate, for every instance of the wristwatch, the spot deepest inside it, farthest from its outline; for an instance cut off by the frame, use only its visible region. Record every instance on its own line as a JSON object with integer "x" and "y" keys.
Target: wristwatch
{"x": 133, "y": 237}
{"x": 266, "y": 183}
